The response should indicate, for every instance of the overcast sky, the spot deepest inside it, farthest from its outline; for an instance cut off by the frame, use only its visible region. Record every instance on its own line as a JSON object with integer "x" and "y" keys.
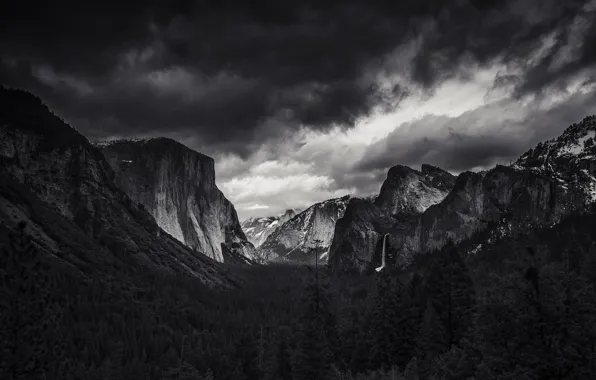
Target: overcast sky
{"x": 305, "y": 100}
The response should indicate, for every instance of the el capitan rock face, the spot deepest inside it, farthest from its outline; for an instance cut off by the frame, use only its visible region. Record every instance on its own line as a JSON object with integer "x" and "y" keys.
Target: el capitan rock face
{"x": 544, "y": 185}
{"x": 177, "y": 186}
{"x": 54, "y": 179}
{"x": 297, "y": 239}
{"x": 258, "y": 229}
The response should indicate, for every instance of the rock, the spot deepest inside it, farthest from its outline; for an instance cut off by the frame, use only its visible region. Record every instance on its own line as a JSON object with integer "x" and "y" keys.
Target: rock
{"x": 177, "y": 186}
{"x": 52, "y": 177}
{"x": 313, "y": 228}
{"x": 423, "y": 210}
{"x": 258, "y": 229}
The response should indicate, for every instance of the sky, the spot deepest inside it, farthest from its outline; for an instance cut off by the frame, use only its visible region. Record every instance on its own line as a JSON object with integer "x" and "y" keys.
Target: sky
{"x": 302, "y": 101}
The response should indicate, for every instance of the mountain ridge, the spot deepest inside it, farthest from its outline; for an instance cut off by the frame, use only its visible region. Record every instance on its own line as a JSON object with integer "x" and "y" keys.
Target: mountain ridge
{"x": 311, "y": 229}
{"x": 257, "y": 229}
{"x": 539, "y": 188}
{"x": 57, "y": 181}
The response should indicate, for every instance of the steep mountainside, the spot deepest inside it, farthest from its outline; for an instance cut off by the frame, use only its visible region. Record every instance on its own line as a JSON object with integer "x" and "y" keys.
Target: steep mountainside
{"x": 177, "y": 186}
{"x": 404, "y": 195}
{"x": 569, "y": 159}
{"x": 258, "y": 229}
{"x": 53, "y": 178}
{"x": 312, "y": 228}
{"x": 409, "y": 191}
{"x": 545, "y": 184}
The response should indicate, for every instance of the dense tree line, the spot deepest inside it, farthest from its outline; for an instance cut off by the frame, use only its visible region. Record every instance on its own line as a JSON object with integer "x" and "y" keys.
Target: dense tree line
{"x": 522, "y": 308}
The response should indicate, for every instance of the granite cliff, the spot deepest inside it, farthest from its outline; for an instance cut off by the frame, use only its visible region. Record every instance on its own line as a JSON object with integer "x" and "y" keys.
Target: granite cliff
{"x": 258, "y": 229}
{"x": 177, "y": 186}
{"x": 404, "y": 195}
{"x": 306, "y": 233}
{"x": 53, "y": 178}
{"x": 542, "y": 186}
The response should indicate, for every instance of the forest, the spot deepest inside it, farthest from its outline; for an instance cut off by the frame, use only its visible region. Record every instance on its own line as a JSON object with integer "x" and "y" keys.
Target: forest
{"x": 522, "y": 307}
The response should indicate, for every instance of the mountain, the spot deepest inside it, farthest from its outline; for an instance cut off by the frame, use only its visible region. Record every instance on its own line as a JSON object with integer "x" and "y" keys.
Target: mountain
{"x": 542, "y": 186}
{"x": 310, "y": 229}
{"x": 54, "y": 179}
{"x": 404, "y": 195}
{"x": 409, "y": 191}
{"x": 258, "y": 229}
{"x": 177, "y": 186}
{"x": 569, "y": 159}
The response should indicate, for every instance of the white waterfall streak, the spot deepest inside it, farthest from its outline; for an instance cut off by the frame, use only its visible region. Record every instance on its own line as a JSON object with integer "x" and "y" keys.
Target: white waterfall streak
{"x": 383, "y": 254}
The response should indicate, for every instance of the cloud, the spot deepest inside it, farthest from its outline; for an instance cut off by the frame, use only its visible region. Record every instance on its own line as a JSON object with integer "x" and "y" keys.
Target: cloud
{"x": 486, "y": 127}
{"x": 494, "y": 133}
{"x": 306, "y": 100}
{"x": 233, "y": 76}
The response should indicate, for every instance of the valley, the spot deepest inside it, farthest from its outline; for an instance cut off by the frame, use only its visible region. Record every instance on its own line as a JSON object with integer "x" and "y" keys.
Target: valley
{"x": 125, "y": 260}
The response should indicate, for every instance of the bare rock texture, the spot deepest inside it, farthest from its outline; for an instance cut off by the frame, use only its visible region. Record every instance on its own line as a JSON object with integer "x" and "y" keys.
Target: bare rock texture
{"x": 52, "y": 177}
{"x": 177, "y": 186}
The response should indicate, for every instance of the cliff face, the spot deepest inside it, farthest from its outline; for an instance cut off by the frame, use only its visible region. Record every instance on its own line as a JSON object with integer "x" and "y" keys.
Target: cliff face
{"x": 544, "y": 185}
{"x": 409, "y": 191}
{"x": 176, "y": 185}
{"x": 404, "y": 195}
{"x": 258, "y": 229}
{"x": 311, "y": 229}
{"x": 56, "y": 180}
{"x": 357, "y": 235}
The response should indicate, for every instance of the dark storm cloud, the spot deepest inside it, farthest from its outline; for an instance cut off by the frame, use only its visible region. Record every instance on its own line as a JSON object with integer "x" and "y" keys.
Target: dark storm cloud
{"x": 495, "y": 133}
{"x": 231, "y": 73}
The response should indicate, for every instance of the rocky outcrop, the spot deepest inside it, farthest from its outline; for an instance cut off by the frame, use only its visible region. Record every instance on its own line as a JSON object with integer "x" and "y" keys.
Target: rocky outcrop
{"x": 404, "y": 195}
{"x": 545, "y": 184}
{"x": 53, "y": 178}
{"x": 407, "y": 191}
{"x": 177, "y": 186}
{"x": 309, "y": 232}
{"x": 258, "y": 229}
{"x": 357, "y": 235}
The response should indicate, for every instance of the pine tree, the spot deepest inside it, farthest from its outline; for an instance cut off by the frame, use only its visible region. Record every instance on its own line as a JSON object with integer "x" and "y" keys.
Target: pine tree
{"x": 246, "y": 357}
{"x": 432, "y": 340}
{"x": 29, "y": 311}
{"x": 411, "y": 313}
{"x": 312, "y": 359}
{"x": 384, "y": 324}
{"x": 411, "y": 371}
{"x": 314, "y": 355}
{"x": 450, "y": 290}
{"x": 279, "y": 360}
{"x": 360, "y": 357}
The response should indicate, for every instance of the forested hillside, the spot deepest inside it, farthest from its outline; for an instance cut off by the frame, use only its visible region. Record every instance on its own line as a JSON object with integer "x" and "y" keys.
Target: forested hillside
{"x": 521, "y": 308}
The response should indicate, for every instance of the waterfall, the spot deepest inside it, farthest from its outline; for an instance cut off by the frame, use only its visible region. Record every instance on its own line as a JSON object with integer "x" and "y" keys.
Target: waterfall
{"x": 383, "y": 253}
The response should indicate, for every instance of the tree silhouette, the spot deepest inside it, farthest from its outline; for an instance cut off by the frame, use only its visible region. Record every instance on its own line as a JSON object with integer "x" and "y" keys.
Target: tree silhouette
{"x": 28, "y": 311}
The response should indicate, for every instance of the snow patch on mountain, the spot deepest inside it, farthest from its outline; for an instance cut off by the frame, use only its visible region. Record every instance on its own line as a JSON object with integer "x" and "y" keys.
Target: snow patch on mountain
{"x": 258, "y": 229}
{"x": 307, "y": 233}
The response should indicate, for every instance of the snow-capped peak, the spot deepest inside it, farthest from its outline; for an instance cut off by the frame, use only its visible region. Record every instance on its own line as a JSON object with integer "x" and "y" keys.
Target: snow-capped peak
{"x": 569, "y": 159}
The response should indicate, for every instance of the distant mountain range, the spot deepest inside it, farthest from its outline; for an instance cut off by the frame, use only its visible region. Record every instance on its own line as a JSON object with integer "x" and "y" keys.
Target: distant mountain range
{"x": 258, "y": 229}
{"x": 154, "y": 203}
{"x": 306, "y": 234}
{"x": 422, "y": 211}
